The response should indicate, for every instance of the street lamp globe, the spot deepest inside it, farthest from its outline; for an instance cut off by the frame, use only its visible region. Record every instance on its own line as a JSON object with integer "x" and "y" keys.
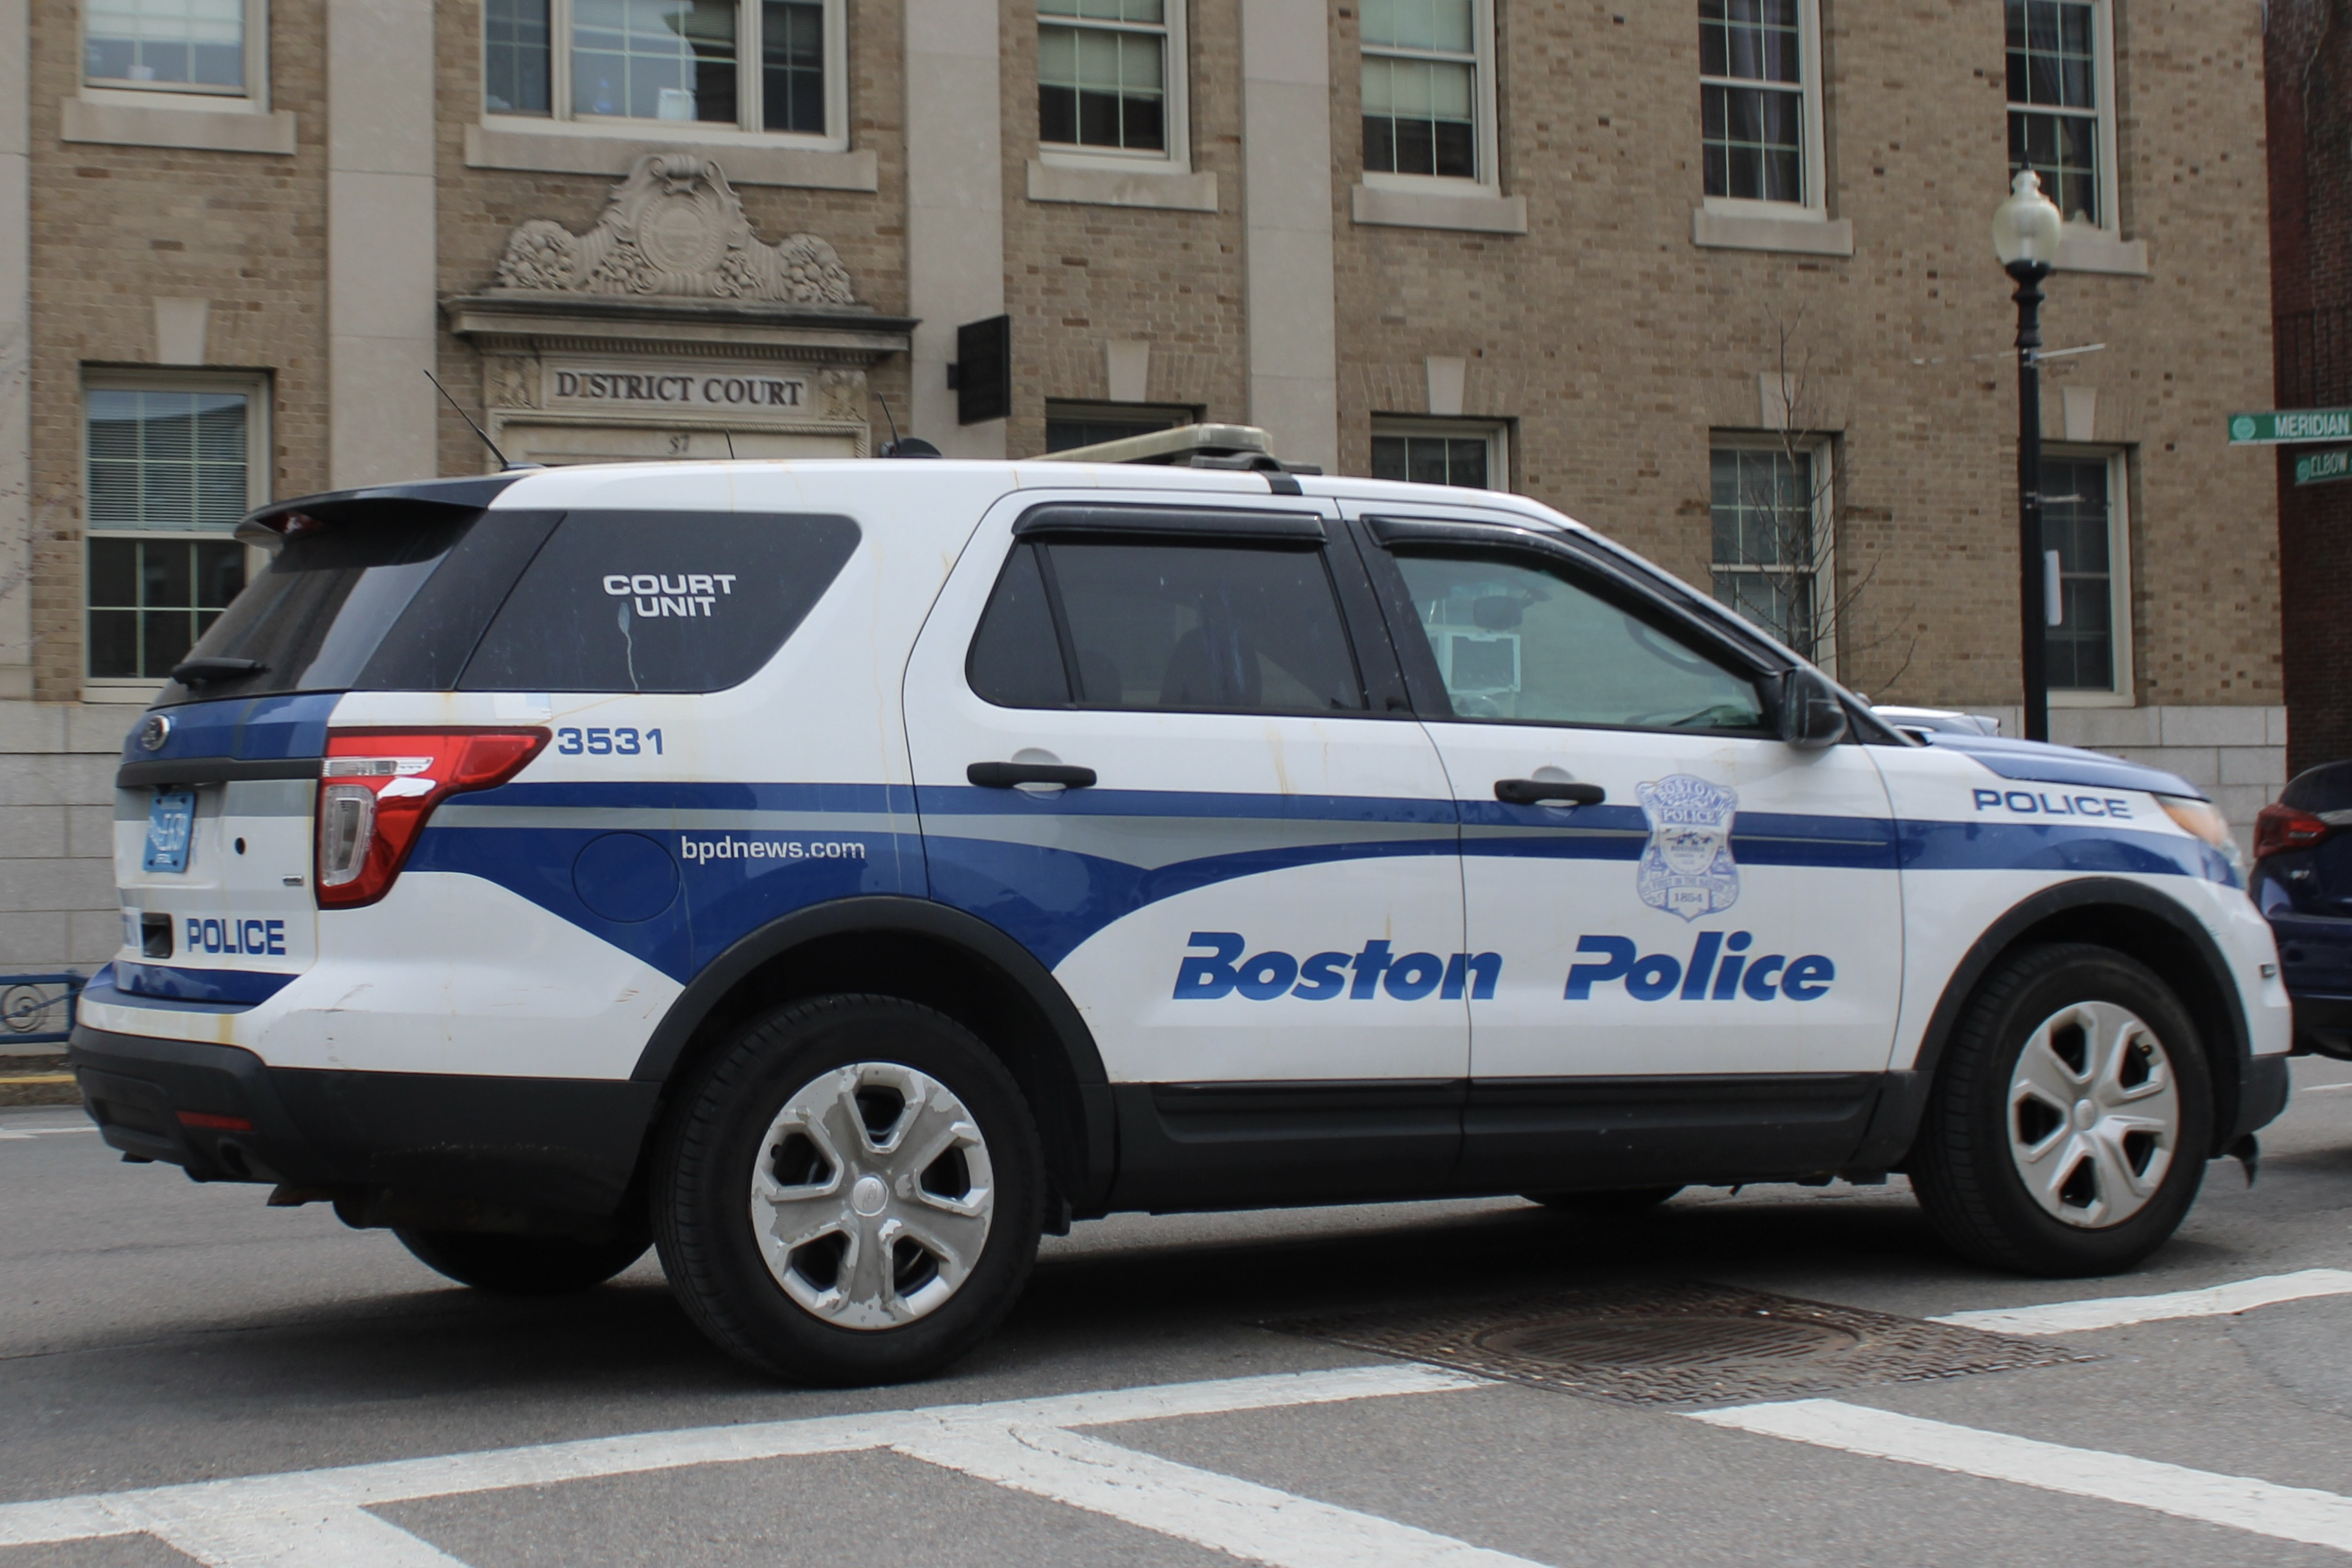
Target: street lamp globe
{"x": 2027, "y": 227}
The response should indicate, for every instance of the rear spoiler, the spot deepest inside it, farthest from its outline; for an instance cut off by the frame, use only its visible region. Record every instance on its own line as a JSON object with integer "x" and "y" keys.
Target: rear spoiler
{"x": 272, "y": 525}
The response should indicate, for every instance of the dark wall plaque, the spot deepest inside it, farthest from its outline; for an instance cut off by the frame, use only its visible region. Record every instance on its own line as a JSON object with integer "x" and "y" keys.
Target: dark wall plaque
{"x": 983, "y": 370}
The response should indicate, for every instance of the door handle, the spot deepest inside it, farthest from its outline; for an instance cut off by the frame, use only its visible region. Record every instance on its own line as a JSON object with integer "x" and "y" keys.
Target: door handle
{"x": 1545, "y": 791}
{"x": 1006, "y": 775}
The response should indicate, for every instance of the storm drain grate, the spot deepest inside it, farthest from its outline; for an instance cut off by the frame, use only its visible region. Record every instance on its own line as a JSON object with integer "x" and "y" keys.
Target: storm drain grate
{"x": 1682, "y": 1344}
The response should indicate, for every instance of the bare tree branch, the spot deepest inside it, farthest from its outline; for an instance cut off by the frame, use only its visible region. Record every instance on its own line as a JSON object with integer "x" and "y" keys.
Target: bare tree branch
{"x": 1794, "y": 566}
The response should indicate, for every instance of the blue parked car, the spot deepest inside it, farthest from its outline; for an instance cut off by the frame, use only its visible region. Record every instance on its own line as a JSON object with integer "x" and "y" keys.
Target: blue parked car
{"x": 2302, "y": 882}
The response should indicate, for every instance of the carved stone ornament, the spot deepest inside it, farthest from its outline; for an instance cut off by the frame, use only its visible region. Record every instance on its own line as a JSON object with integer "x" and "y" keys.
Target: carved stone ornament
{"x": 674, "y": 226}
{"x": 840, "y": 393}
{"x": 508, "y": 381}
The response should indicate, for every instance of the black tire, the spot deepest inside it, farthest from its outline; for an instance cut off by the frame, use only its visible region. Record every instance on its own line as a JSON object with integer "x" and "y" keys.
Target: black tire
{"x": 524, "y": 1265}
{"x": 1962, "y": 1167}
{"x": 717, "y": 1130}
{"x": 1610, "y": 1203}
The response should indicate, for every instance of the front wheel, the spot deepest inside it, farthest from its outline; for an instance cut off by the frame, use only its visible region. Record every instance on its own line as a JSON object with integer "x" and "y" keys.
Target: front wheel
{"x": 2070, "y": 1122}
{"x": 849, "y": 1192}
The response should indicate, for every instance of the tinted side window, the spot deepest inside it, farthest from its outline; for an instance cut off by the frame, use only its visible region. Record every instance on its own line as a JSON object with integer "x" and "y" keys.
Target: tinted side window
{"x": 635, "y": 601}
{"x": 1213, "y": 627}
{"x": 1161, "y": 623}
{"x": 1514, "y": 640}
{"x": 1016, "y": 658}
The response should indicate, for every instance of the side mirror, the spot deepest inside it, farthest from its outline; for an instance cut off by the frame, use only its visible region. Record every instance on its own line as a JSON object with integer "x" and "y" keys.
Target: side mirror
{"x": 1811, "y": 716}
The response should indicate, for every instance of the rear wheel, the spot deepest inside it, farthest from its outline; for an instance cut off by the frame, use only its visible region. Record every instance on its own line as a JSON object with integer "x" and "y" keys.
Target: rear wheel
{"x": 849, "y": 1192}
{"x": 524, "y": 1265}
{"x": 2070, "y": 1122}
{"x": 1612, "y": 1202}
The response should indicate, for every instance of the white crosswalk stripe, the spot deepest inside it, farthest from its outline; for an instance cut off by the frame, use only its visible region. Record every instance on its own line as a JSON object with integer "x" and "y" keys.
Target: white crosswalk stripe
{"x": 1255, "y": 1524}
{"x": 2241, "y": 1502}
{"x": 2117, "y": 1311}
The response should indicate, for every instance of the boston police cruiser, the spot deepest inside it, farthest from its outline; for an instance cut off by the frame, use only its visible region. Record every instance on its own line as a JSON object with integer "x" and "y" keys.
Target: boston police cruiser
{"x": 836, "y": 874}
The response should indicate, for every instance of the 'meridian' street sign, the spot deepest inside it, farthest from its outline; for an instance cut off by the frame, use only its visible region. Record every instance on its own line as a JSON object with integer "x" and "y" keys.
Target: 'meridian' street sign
{"x": 2278, "y": 426}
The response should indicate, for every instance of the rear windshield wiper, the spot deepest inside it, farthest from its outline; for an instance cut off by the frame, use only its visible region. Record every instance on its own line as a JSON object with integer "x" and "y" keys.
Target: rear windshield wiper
{"x": 203, "y": 671}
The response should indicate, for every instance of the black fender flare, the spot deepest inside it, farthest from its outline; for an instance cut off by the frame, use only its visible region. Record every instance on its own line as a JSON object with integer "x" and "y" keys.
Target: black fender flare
{"x": 1904, "y": 1102}
{"x": 897, "y": 915}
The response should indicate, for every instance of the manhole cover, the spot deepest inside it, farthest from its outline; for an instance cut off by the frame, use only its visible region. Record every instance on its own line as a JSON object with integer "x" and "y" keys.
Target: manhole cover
{"x": 1682, "y": 1344}
{"x": 1583, "y": 1341}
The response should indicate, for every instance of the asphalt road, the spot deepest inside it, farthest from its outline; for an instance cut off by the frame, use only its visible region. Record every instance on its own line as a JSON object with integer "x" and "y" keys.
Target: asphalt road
{"x": 1137, "y": 1408}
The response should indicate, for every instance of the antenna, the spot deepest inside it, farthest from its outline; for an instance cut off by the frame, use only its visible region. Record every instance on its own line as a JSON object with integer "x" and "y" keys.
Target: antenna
{"x": 731, "y": 444}
{"x": 902, "y": 446}
{"x": 504, "y": 464}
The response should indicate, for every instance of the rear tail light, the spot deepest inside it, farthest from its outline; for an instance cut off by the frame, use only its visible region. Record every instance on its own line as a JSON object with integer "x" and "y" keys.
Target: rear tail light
{"x": 377, "y": 787}
{"x": 2282, "y": 827}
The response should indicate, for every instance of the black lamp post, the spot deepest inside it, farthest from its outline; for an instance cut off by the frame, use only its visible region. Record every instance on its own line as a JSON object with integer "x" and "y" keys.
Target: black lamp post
{"x": 2026, "y": 230}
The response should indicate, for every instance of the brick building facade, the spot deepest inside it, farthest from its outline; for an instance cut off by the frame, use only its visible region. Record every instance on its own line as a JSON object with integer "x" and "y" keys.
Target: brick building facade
{"x": 1712, "y": 275}
{"x": 2308, "y": 65}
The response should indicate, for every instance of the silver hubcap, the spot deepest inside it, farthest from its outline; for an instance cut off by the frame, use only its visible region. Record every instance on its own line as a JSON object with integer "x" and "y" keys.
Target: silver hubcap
{"x": 872, "y": 1196}
{"x": 2093, "y": 1114}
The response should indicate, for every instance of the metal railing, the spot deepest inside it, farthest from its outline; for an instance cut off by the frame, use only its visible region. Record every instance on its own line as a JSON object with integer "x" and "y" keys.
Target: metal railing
{"x": 29, "y": 1001}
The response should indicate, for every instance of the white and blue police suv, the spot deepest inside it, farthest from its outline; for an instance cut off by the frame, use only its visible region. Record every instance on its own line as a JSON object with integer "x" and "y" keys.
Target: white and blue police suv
{"x": 836, "y": 874}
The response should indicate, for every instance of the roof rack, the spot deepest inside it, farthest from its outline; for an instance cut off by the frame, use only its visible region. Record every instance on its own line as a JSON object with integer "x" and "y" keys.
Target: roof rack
{"x": 1243, "y": 447}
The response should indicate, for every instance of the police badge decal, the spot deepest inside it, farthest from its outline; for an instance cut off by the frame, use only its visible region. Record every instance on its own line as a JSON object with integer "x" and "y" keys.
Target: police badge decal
{"x": 1687, "y": 868}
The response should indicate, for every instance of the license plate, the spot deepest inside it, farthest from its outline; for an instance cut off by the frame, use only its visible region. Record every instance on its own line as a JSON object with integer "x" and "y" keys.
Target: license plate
{"x": 171, "y": 821}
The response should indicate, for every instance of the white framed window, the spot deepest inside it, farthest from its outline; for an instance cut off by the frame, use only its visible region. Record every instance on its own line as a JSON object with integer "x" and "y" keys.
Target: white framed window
{"x": 1428, "y": 91}
{"x": 2086, "y": 518}
{"x": 1473, "y": 453}
{"x": 1761, "y": 105}
{"x": 170, "y": 463}
{"x": 768, "y": 70}
{"x": 1111, "y": 83}
{"x": 210, "y": 50}
{"x": 1070, "y": 425}
{"x": 1773, "y": 523}
{"x": 2061, "y": 103}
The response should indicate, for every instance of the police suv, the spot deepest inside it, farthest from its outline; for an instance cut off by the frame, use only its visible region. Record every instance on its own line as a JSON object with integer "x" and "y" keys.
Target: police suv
{"x": 836, "y": 874}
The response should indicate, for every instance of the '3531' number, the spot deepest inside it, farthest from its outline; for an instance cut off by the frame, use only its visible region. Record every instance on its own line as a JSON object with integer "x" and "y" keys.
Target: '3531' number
{"x": 620, "y": 743}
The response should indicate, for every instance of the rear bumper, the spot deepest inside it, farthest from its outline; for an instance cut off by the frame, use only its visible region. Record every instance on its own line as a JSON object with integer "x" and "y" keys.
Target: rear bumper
{"x": 224, "y": 1115}
{"x": 2323, "y": 1024}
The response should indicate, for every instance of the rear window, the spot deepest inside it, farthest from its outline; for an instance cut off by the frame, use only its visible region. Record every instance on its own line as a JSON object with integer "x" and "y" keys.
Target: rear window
{"x": 2327, "y": 787}
{"x": 408, "y": 596}
{"x": 632, "y": 601}
{"x": 315, "y": 618}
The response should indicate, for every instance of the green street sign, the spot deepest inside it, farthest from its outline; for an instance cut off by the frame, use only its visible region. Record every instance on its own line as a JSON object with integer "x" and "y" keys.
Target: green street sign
{"x": 2277, "y": 426}
{"x": 2318, "y": 467}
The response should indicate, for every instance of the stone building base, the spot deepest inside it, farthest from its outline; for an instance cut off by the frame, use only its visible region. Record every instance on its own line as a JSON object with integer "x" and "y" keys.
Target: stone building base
{"x": 57, "y": 790}
{"x": 56, "y": 832}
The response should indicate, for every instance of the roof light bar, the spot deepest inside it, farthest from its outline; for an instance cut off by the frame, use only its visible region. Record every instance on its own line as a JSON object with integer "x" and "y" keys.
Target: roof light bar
{"x": 1188, "y": 447}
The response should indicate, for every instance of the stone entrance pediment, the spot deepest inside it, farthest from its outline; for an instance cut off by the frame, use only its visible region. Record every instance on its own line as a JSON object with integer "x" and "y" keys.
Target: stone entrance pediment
{"x": 669, "y": 329}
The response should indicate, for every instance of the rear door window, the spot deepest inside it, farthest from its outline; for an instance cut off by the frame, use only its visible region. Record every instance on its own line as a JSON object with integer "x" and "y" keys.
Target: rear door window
{"x": 1179, "y": 624}
{"x": 634, "y": 601}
